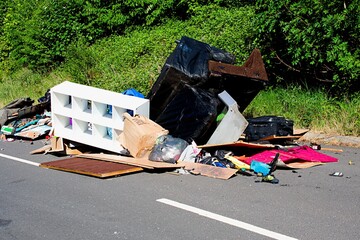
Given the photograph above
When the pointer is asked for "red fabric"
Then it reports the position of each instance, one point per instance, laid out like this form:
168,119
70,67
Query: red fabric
304,153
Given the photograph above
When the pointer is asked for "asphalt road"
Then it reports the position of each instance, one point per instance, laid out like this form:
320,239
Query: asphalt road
38,203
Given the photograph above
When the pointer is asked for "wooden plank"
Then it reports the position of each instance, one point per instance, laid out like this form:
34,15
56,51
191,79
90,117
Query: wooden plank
91,167
300,131
43,149
210,171
331,149
141,162
274,137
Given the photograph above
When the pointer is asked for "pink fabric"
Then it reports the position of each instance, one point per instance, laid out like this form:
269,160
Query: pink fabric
303,153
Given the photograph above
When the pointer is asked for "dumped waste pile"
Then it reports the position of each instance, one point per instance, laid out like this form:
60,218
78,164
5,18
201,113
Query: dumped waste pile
190,122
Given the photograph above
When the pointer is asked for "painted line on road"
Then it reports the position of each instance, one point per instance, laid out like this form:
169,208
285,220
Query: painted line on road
227,220
19,160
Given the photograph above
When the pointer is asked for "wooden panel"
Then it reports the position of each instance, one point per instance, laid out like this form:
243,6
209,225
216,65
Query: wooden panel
90,167
275,138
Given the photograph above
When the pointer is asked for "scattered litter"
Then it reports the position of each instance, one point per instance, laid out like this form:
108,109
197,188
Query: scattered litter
336,174
351,163
270,179
315,146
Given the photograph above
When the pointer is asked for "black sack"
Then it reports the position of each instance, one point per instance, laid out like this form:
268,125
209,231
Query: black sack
187,64
266,126
191,114
191,57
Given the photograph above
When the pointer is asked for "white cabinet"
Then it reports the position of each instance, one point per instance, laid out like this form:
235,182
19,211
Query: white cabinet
91,115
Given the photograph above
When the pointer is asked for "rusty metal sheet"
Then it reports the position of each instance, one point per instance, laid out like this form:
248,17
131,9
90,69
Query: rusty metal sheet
253,68
91,167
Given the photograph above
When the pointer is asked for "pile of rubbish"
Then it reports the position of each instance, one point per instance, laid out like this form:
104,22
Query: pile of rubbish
194,124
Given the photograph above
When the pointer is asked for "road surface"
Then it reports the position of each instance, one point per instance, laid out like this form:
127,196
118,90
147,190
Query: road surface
38,203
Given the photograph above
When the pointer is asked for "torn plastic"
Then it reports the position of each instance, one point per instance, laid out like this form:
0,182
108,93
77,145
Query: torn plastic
167,149
190,114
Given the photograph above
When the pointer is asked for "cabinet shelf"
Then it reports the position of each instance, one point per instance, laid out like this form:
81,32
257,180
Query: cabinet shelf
91,115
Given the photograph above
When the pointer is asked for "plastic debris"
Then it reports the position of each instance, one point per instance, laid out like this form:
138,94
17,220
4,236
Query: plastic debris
336,174
270,179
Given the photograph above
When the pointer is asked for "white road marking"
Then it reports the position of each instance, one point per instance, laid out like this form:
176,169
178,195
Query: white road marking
227,220
19,160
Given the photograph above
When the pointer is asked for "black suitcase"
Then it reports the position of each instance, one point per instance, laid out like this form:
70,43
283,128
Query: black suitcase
265,126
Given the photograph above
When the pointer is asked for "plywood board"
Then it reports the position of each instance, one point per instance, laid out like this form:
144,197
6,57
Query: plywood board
141,162
90,167
300,131
274,137
210,171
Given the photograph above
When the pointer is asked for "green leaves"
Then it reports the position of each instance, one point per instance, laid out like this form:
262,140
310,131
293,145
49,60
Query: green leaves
312,37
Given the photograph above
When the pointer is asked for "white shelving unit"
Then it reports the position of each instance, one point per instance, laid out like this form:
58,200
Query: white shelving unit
92,116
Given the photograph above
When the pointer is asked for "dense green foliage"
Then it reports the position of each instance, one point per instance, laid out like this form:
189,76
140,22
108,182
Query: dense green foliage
136,58
312,40
36,33
122,43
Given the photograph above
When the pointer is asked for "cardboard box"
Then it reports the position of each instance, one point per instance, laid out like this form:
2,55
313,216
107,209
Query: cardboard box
140,134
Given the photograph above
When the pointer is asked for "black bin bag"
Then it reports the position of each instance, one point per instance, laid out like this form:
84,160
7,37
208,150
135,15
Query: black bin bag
191,114
187,64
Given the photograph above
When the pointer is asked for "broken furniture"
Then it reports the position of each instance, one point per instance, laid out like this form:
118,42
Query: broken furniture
232,125
184,97
92,116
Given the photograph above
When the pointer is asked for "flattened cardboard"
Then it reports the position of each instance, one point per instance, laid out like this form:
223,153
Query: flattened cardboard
301,165
34,132
210,171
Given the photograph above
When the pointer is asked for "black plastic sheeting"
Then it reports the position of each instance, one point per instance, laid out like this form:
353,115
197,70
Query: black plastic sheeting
191,57
184,98
191,114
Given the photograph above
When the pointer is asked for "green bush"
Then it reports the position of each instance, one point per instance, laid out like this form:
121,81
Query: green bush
311,41
36,33
135,60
